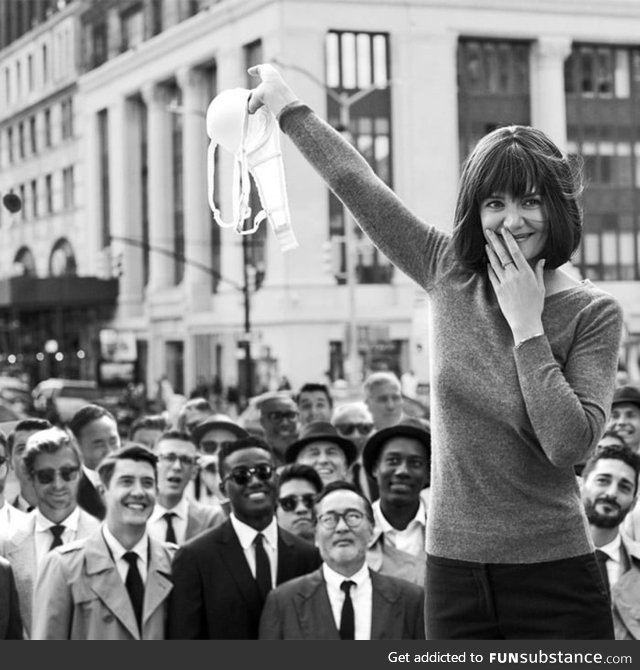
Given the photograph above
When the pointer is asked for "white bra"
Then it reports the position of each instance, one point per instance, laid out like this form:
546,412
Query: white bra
254,141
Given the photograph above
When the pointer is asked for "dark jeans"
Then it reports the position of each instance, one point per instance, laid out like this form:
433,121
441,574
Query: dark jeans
563,600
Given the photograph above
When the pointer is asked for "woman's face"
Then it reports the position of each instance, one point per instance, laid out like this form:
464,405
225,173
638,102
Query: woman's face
524,217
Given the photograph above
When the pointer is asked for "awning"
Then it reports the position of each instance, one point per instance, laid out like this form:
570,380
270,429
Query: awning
34,293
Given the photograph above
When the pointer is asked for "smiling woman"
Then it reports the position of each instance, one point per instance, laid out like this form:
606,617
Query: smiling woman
523,366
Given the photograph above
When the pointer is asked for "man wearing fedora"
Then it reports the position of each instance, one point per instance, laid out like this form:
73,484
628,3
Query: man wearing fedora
399,457
625,415
325,450
209,436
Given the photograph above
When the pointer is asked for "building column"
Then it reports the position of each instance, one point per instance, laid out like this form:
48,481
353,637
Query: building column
160,195
197,216
548,106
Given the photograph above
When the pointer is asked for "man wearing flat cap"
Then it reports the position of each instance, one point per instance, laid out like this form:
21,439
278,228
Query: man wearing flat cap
399,457
325,450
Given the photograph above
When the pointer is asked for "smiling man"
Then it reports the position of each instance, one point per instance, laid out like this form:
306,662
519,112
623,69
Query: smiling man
344,599
175,517
625,415
114,584
280,420
609,493
399,458
221,577
52,462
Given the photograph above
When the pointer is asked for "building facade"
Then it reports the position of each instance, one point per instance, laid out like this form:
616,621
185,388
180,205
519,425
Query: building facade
414,85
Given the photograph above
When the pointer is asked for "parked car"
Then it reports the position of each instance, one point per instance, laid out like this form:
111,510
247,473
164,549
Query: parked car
59,399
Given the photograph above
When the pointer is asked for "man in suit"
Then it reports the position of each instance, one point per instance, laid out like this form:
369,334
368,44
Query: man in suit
344,599
10,621
96,431
175,517
399,458
114,584
52,462
25,501
609,493
221,578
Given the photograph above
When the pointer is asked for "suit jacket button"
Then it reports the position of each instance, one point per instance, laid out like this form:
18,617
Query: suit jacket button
107,618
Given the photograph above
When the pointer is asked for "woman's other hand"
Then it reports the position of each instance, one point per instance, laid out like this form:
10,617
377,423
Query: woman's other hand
272,91
519,287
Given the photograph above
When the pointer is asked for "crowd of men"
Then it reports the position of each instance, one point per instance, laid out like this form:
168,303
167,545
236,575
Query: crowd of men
311,525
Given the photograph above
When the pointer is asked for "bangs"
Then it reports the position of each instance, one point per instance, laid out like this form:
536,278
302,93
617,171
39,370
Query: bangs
511,170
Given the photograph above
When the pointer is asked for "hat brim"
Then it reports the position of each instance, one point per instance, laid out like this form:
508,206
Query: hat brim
348,447
377,441
203,428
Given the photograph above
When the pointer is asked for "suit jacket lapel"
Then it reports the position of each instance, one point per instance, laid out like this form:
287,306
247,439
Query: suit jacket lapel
194,521
385,619
286,565
21,553
232,555
105,581
313,608
158,584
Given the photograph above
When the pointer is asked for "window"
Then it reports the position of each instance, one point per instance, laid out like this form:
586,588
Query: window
21,153
7,85
47,127
18,80
156,17
23,211
45,64
32,134
178,192
603,127
68,195
356,62
48,191
105,191
66,109
30,79
34,198
10,145
132,26
99,45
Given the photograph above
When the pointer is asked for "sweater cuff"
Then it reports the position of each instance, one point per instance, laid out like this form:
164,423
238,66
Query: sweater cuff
287,110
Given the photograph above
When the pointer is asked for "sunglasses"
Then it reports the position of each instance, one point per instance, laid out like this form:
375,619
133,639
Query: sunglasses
290,503
211,446
242,476
351,428
185,460
48,475
282,416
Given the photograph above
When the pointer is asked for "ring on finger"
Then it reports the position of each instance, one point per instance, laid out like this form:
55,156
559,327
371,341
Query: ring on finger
508,263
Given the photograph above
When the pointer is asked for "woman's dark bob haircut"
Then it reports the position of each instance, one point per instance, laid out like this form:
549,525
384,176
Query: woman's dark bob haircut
519,160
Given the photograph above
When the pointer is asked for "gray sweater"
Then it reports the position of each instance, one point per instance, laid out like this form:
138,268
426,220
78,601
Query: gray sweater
507,424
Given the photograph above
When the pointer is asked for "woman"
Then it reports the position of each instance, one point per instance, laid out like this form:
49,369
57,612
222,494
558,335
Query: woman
523,366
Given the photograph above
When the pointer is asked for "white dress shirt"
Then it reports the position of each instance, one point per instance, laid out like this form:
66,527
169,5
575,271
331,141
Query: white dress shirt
10,517
157,525
247,535
614,565
44,537
118,551
361,597
412,539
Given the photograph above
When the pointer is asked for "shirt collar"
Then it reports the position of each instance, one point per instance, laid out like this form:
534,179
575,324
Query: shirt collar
381,525
43,524
181,510
91,475
335,579
141,548
612,549
246,534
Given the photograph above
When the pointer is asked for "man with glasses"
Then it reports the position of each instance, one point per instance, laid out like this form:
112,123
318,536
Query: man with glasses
354,421
221,578
115,583
175,517
298,486
344,599
52,461
279,418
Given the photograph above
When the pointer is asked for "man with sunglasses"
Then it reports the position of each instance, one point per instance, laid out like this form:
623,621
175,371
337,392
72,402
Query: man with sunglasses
344,599
221,577
175,517
52,461
298,486
354,421
280,420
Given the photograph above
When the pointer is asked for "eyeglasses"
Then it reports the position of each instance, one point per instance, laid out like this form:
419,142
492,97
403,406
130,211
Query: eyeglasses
242,476
277,417
48,475
350,428
352,517
211,446
290,503
171,458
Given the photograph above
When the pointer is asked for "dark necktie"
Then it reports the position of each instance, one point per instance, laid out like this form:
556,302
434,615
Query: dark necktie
263,567
57,532
134,585
602,558
347,618
171,533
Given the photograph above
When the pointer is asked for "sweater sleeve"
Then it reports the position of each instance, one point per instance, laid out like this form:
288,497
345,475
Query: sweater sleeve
568,406
408,242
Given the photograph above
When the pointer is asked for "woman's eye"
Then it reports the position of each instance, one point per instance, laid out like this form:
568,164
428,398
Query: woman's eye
533,202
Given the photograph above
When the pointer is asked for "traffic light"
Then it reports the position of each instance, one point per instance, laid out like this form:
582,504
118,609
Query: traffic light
332,255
